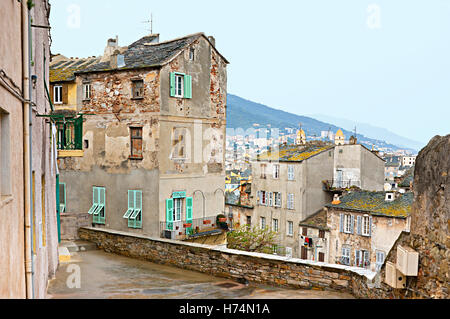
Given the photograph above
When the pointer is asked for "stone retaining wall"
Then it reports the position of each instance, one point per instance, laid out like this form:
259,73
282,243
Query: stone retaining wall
233,264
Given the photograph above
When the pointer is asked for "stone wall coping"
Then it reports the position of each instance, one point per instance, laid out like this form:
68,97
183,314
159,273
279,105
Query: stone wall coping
332,267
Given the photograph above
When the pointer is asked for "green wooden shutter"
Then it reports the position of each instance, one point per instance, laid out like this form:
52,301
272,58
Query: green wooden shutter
188,87
172,84
94,201
169,214
102,215
189,219
79,133
130,205
138,206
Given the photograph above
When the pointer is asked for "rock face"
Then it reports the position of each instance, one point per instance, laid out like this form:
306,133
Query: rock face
431,208
430,217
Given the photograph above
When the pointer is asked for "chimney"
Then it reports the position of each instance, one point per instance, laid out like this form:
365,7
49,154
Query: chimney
113,59
112,45
212,40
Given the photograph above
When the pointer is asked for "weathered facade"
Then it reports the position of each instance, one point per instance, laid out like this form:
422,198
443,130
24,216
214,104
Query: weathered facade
28,231
314,237
305,177
365,225
153,137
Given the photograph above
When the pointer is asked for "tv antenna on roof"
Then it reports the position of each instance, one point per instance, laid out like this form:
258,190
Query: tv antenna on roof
150,22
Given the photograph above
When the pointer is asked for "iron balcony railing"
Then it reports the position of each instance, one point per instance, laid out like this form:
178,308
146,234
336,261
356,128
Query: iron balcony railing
182,229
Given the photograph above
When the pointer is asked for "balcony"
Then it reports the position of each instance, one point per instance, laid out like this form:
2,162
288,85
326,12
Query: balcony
183,230
340,185
70,137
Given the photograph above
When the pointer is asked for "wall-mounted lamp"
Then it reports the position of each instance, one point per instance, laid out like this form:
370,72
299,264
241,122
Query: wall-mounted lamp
34,80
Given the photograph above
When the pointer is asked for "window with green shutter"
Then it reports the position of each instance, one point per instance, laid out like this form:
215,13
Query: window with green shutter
134,211
189,213
99,200
180,85
169,214
135,219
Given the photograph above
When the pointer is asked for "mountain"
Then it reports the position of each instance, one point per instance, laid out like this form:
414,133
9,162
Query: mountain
242,113
371,131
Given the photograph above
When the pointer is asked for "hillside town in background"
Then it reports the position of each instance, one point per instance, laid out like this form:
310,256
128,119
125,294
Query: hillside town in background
130,150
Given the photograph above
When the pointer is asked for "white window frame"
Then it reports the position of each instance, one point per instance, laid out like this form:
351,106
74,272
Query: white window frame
291,170
347,223
290,201
57,99
276,171
346,254
379,259
179,85
275,227
270,199
290,228
86,91
277,199
177,209
262,222
365,225
263,199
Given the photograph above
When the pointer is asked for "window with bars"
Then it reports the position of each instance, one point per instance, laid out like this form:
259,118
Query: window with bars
136,143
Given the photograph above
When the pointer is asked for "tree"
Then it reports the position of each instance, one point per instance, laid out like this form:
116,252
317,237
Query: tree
252,239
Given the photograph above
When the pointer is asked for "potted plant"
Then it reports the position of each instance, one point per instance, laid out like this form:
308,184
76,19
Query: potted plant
221,218
206,222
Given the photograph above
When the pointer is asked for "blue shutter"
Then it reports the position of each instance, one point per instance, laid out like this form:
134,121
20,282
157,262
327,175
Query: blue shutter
352,224
341,223
358,225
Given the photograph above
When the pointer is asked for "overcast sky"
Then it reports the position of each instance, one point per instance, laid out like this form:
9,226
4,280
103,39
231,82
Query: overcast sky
383,62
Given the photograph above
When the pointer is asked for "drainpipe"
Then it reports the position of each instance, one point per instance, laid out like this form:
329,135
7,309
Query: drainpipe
27,152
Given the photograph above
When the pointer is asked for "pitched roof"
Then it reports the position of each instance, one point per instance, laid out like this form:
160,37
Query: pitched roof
63,69
294,153
317,220
375,203
142,53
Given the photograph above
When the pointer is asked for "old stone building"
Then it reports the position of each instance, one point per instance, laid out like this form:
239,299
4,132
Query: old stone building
314,237
294,182
364,226
28,228
153,137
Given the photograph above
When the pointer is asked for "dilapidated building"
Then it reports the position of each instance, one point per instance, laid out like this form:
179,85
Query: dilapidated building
153,137
365,225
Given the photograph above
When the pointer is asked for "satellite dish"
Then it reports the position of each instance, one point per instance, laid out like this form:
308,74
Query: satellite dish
387,187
